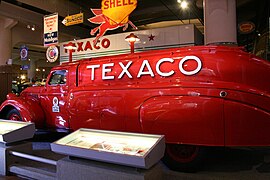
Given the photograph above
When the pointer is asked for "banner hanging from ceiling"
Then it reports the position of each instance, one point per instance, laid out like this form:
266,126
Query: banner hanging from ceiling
112,15
51,29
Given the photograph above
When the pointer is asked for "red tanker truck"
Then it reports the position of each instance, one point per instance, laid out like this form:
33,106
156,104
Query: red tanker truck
198,97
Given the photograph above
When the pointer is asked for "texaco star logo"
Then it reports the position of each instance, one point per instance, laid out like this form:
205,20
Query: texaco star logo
151,37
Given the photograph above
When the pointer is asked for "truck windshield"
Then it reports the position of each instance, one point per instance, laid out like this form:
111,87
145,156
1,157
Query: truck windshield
58,77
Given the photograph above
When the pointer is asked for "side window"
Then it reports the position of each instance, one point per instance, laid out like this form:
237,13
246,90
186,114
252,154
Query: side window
58,77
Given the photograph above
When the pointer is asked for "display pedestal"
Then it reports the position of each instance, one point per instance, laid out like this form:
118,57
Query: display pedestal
80,169
6,160
3,159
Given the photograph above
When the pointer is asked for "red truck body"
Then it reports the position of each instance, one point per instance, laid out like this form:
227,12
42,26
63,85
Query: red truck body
199,96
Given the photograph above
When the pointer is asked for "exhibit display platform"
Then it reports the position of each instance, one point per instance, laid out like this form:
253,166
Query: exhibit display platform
224,164
33,159
14,131
84,154
131,149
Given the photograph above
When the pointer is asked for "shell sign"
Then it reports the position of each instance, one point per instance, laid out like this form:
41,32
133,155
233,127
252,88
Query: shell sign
112,15
118,10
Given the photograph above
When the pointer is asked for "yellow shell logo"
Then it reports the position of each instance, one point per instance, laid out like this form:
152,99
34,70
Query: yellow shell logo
118,10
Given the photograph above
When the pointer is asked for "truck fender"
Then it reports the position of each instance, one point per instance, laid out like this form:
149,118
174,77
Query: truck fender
29,109
184,119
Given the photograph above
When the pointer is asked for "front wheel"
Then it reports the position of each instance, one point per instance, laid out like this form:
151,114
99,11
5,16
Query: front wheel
185,158
14,115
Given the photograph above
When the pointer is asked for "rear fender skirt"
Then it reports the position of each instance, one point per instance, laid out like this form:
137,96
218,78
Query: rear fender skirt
185,119
246,125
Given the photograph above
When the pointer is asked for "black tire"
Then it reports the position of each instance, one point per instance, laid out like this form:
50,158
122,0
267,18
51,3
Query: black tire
184,158
14,114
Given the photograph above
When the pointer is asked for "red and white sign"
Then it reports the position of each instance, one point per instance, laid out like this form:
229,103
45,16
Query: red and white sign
160,38
50,29
246,27
52,53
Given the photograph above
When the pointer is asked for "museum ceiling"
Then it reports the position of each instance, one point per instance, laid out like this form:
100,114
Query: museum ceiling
148,14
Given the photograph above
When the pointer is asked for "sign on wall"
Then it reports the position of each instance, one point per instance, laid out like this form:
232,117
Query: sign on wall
118,11
52,53
246,27
160,38
112,15
51,29
25,67
24,52
73,19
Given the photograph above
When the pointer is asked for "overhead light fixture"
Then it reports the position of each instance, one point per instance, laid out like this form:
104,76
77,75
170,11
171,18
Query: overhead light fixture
33,28
183,4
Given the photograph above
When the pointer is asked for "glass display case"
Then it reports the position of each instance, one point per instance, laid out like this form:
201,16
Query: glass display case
132,149
13,131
